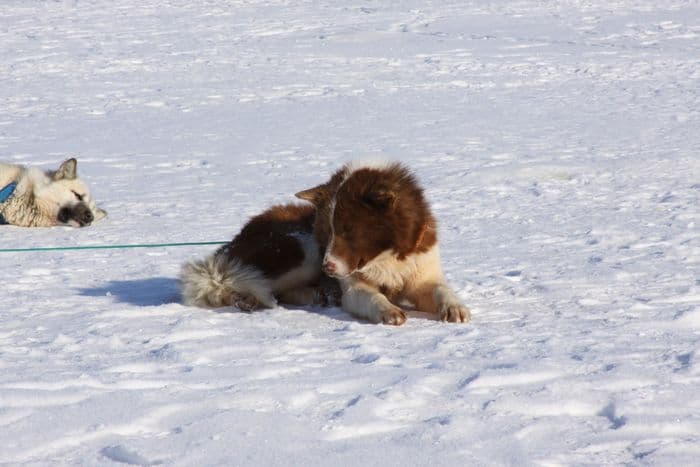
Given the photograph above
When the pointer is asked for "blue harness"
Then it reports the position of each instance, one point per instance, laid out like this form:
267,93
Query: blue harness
5,194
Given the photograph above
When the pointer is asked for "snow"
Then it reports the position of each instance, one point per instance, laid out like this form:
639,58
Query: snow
558,143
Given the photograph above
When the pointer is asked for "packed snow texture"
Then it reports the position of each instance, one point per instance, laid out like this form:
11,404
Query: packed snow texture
557,141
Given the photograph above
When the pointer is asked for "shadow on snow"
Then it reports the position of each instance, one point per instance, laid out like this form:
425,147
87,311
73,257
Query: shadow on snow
156,291
140,292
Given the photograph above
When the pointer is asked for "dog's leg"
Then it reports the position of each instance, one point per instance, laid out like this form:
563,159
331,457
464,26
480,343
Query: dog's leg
302,296
440,299
449,307
365,301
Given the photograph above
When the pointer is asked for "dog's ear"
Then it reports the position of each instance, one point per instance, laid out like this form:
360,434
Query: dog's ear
313,195
99,214
381,199
67,171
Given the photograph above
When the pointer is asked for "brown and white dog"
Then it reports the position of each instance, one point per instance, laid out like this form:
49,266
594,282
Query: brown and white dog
274,257
369,227
381,244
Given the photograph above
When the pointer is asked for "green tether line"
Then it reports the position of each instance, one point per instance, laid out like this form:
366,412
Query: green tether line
106,247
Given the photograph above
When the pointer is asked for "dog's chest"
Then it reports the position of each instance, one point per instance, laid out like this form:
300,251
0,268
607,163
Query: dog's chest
389,274
396,277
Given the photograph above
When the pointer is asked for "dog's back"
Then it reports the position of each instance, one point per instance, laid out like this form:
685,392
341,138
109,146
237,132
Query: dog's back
9,173
275,256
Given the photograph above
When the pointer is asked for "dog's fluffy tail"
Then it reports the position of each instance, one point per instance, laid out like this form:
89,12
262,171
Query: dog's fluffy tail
217,281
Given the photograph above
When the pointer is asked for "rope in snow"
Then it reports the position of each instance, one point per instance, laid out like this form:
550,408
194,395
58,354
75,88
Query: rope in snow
106,247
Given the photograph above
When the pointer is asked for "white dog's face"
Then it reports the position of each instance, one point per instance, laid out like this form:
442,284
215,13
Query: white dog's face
67,197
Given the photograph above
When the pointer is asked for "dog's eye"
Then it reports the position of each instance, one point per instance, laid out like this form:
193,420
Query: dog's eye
78,195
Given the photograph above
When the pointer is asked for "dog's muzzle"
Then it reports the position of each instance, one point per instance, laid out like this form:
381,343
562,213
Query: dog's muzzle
79,213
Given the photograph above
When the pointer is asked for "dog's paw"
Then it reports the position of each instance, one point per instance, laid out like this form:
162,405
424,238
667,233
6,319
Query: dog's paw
394,316
245,302
455,313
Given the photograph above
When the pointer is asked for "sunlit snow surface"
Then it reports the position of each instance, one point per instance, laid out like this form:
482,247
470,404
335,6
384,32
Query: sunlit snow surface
559,145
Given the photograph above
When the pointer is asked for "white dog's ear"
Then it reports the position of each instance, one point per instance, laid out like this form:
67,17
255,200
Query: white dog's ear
99,214
67,171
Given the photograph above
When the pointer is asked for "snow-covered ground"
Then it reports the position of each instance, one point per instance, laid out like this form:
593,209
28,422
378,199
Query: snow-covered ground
559,143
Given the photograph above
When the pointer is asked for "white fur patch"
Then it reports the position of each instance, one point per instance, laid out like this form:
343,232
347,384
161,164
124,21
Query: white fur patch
8,173
387,270
367,163
363,301
216,282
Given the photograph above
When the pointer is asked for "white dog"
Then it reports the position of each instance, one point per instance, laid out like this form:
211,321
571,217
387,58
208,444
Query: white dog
32,197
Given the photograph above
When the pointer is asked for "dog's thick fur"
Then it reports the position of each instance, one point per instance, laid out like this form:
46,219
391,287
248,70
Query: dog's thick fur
380,242
370,227
274,257
47,198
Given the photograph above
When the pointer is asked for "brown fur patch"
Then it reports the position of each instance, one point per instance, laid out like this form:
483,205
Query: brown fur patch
379,209
269,240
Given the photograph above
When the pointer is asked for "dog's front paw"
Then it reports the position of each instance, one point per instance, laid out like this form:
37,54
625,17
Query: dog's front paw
455,313
394,316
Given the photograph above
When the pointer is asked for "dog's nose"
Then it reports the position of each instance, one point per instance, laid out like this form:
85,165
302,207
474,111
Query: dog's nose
82,214
329,267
